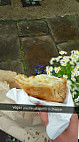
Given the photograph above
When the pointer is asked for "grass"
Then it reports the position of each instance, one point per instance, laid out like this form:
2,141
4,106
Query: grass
13,141
23,60
73,16
9,60
73,40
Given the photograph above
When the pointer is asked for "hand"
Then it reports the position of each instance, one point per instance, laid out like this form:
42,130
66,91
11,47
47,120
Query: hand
70,134
44,117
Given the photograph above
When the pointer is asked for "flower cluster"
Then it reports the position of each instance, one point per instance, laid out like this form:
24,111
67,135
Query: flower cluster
64,66
67,67
11,139
39,69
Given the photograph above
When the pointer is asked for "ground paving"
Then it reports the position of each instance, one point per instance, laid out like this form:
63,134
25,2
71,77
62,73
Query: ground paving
25,42
48,8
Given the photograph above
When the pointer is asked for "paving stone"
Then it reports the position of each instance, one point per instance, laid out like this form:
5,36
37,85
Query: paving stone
38,50
64,28
5,2
16,66
68,46
9,47
7,27
33,27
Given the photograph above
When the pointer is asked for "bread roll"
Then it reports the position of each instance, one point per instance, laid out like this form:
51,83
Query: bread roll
44,87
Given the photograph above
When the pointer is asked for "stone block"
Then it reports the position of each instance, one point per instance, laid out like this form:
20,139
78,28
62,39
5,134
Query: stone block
68,46
64,28
38,50
8,27
16,66
33,27
9,47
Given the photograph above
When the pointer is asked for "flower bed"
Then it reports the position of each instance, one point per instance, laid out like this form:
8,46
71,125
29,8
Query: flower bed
67,67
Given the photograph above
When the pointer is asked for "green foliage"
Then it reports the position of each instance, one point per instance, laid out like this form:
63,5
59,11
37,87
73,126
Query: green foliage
23,59
68,67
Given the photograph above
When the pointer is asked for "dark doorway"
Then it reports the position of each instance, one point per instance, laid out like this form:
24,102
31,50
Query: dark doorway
27,3
5,2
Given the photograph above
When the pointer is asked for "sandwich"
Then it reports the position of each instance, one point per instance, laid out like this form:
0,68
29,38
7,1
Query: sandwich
43,87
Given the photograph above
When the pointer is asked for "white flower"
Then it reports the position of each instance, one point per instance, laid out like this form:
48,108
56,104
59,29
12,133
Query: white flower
71,63
51,61
63,63
62,52
77,73
76,88
77,66
73,79
49,68
74,59
69,82
76,100
76,52
73,74
76,56
73,89
75,69
65,76
58,58
49,73
57,69
74,93
13,139
66,58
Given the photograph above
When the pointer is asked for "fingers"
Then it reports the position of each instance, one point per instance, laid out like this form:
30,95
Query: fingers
74,122
43,116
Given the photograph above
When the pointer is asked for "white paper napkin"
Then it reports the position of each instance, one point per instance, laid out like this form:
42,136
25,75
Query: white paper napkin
58,122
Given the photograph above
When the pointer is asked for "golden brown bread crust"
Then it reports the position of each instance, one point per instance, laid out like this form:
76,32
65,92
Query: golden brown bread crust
43,87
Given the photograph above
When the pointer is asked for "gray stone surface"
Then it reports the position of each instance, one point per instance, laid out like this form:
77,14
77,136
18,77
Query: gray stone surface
33,27
9,47
48,8
38,50
16,66
68,46
8,27
64,28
